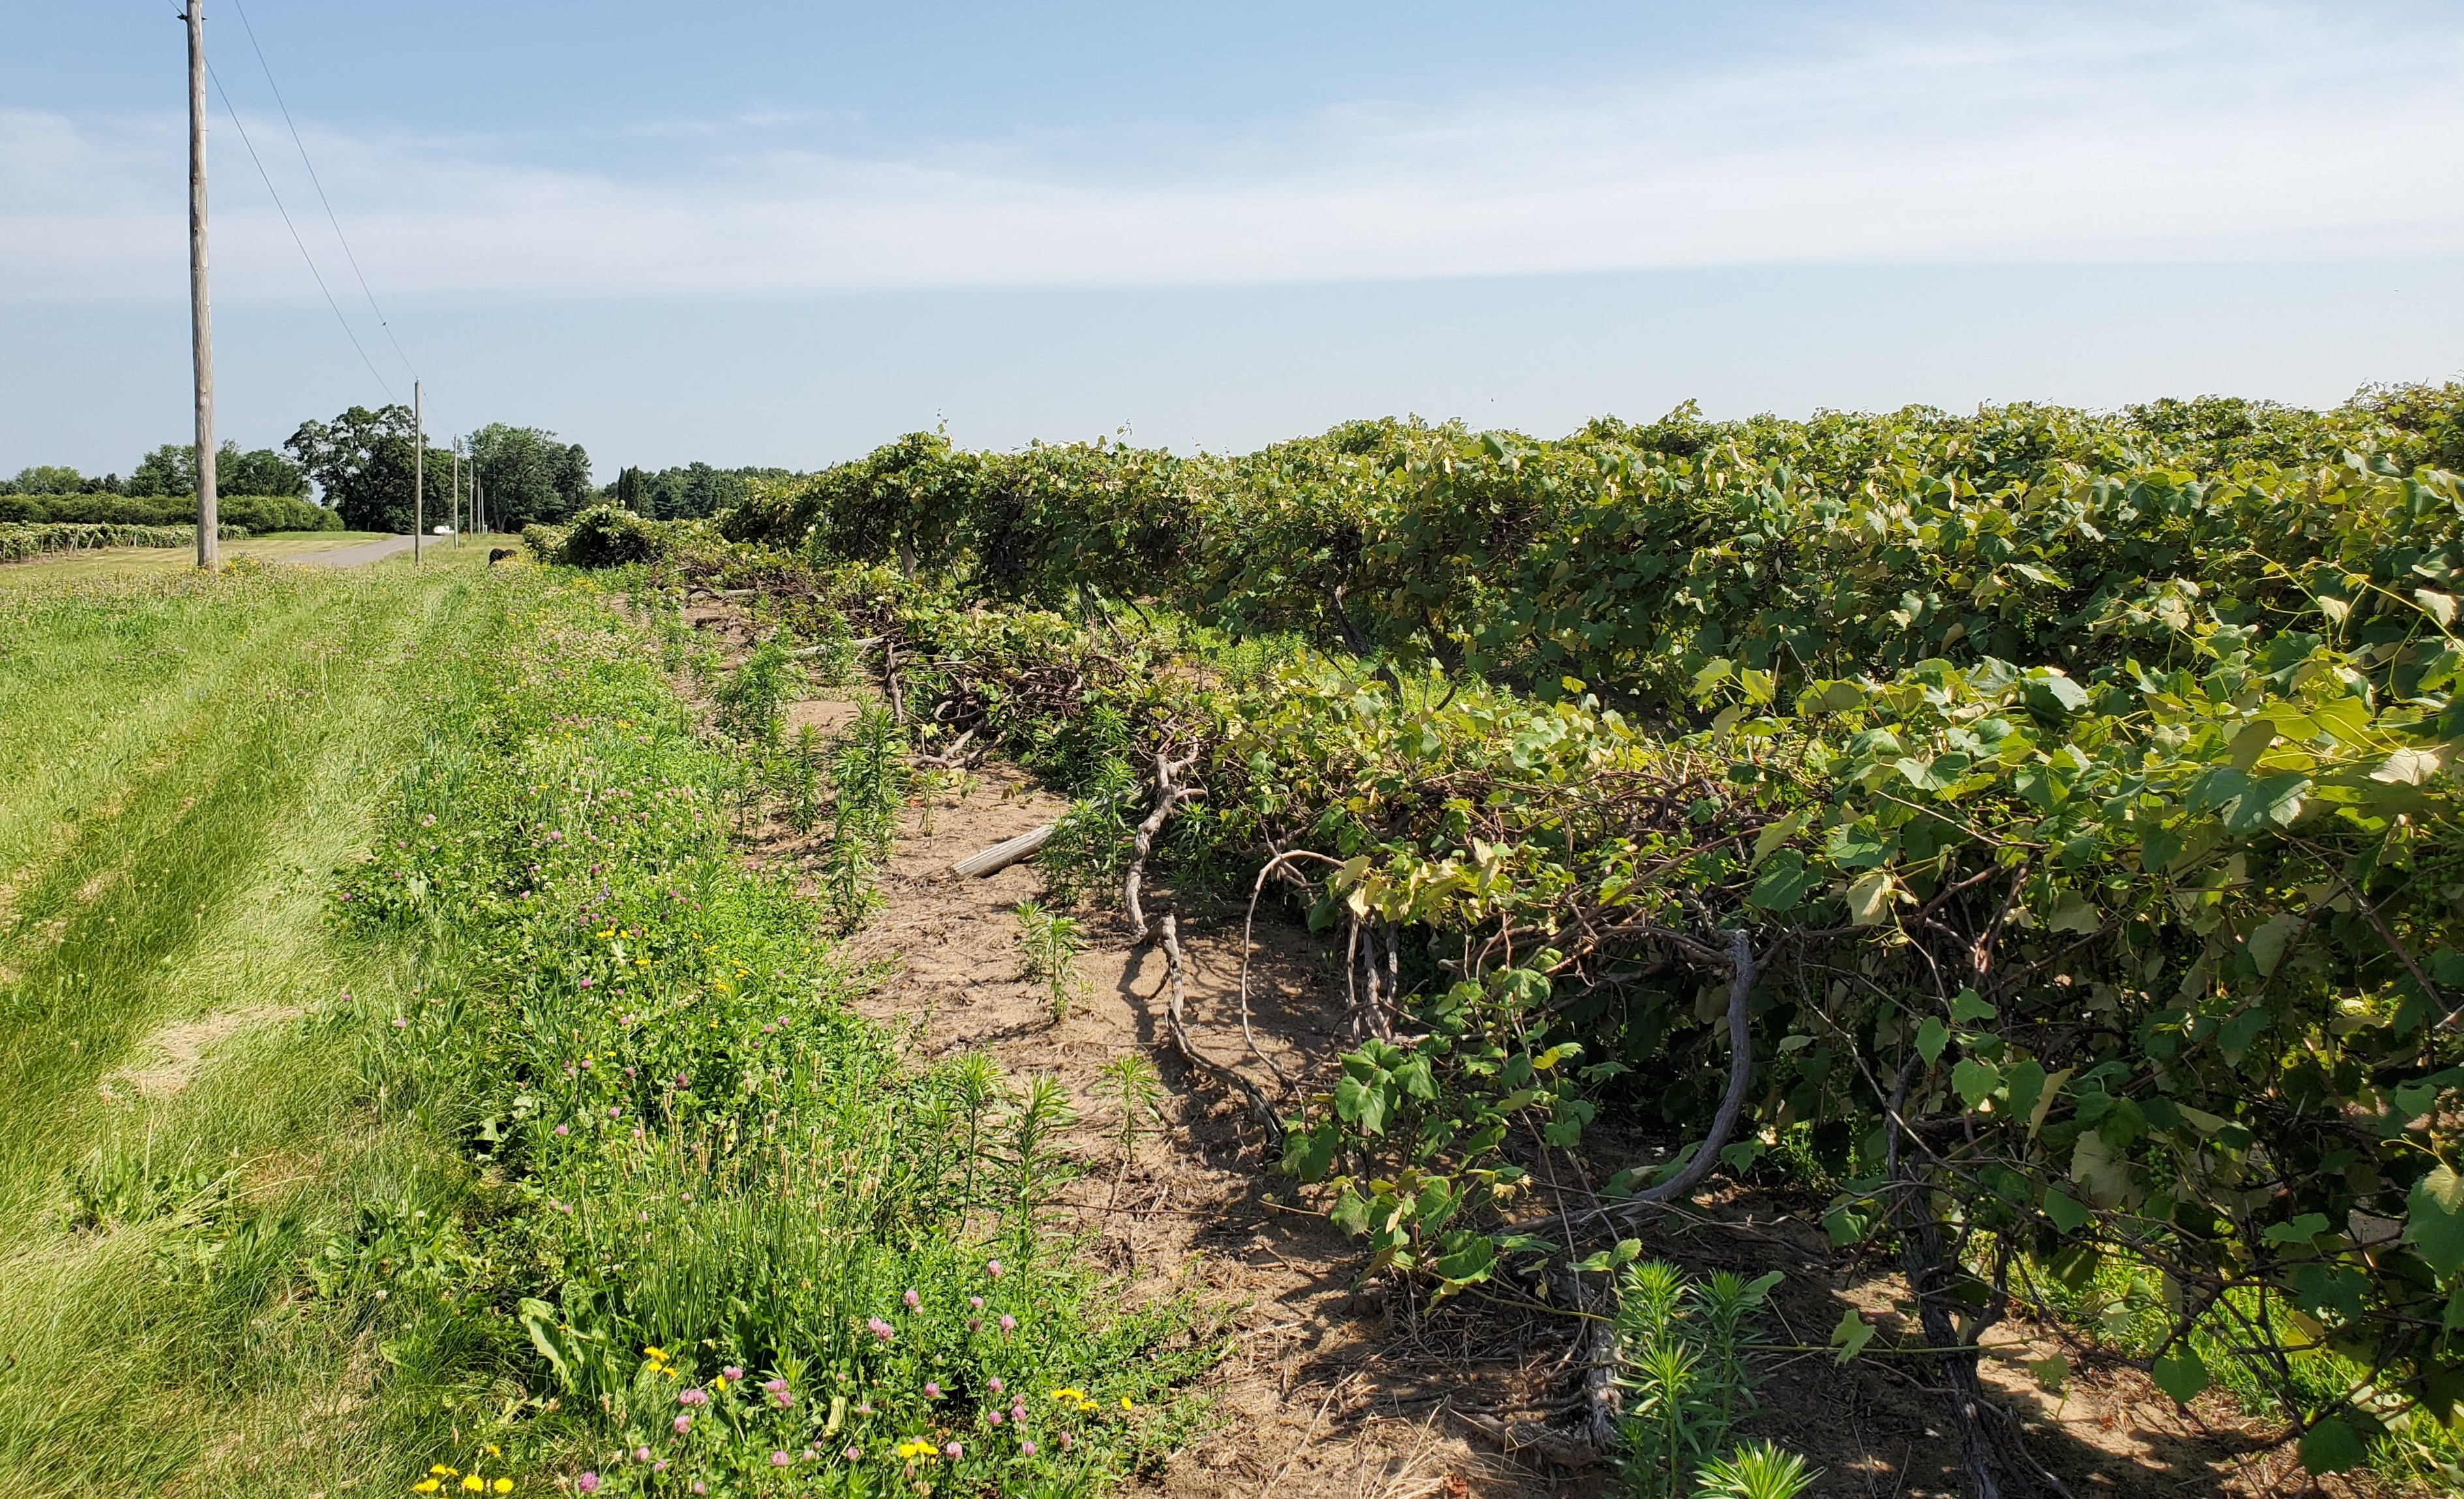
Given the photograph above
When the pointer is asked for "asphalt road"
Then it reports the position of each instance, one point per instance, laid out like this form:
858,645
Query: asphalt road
366,552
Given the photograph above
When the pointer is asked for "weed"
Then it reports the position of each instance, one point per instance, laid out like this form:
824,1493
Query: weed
1136,1091
752,700
1048,946
1757,1470
1681,1344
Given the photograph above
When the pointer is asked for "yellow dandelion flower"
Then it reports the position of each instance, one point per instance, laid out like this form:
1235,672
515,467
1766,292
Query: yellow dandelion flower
916,1447
653,1351
474,1485
440,1470
504,1485
426,1485
1070,1395
1126,1406
494,1450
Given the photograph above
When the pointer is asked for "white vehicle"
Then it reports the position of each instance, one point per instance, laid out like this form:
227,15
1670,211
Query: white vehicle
442,530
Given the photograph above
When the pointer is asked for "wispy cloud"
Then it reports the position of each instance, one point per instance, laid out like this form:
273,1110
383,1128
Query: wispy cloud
2202,132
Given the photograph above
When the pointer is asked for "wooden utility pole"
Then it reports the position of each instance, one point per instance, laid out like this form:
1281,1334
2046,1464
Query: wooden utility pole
418,474
457,488
201,330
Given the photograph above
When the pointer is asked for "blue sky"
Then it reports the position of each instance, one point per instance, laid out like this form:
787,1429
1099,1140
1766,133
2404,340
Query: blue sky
784,232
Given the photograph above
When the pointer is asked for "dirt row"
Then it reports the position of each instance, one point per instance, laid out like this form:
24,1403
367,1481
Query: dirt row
1337,1388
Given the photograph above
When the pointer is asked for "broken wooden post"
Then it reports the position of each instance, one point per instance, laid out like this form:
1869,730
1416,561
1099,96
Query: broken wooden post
1002,855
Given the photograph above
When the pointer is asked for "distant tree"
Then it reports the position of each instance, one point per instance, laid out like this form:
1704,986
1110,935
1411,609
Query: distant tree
364,460
260,470
51,479
529,476
172,471
697,490
169,469
627,490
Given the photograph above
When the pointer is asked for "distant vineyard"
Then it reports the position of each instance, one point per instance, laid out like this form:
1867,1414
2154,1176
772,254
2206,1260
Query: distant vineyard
20,542
2060,811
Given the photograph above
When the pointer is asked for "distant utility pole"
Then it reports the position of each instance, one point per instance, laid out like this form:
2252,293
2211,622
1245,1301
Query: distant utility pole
201,330
457,488
418,472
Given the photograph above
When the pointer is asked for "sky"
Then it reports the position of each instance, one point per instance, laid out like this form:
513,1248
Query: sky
746,232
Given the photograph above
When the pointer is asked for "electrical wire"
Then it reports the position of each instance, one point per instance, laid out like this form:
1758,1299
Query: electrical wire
268,179
319,185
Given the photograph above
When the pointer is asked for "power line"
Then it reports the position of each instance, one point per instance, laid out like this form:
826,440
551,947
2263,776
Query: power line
319,185
268,179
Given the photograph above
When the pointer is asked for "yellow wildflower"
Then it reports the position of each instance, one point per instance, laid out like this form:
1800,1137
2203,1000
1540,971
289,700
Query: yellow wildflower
1126,1406
474,1485
504,1485
653,1351
426,1485
916,1447
1079,1396
440,1470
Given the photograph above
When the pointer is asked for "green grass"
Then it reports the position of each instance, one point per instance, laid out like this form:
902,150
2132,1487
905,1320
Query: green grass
421,874
189,757
278,546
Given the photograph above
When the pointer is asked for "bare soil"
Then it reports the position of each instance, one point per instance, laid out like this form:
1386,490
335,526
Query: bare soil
1339,1389
172,1053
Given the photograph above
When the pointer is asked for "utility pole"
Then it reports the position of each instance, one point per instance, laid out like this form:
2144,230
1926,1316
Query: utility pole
201,331
418,469
457,488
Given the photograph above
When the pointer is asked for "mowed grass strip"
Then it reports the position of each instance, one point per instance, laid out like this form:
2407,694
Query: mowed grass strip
200,755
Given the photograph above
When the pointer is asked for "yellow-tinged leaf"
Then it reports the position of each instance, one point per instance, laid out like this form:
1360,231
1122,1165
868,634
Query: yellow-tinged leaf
2095,1166
1776,834
2407,767
2440,606
1869,898
2045,1099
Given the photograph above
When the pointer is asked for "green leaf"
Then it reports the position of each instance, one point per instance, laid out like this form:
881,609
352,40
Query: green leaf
1967,1007
2440,606
2180,1374
2271,800
2266,939
1465,1257
2433,1219
539,1319
2068,1213
2074,913
2027,1080
1351,1213
2065,693
1785,884
1975,1081
1851,1336
1360,1103
2333,1446
2300,1230
1931,1037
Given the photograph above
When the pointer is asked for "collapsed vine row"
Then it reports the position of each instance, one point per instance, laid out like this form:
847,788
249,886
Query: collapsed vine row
2098,896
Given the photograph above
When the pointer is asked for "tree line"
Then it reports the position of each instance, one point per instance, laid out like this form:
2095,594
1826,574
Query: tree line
360,472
